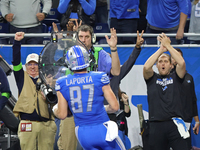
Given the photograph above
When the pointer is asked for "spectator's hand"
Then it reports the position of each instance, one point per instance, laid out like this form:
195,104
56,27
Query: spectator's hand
196,128
75,27
55,29
165,41
140,40
9,17
179,34
163,48
70,26
112,42
40,16
19,36
124,98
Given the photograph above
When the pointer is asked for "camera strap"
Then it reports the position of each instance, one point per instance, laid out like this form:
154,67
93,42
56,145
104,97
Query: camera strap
49,110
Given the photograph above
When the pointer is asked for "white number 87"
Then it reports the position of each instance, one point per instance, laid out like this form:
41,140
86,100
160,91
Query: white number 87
78,99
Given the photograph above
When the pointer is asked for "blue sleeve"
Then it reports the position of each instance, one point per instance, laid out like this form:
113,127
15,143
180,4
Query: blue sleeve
104,62
183,6
63,5
88,7
104,79
4,89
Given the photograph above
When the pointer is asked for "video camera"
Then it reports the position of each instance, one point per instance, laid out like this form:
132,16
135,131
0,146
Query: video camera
49,94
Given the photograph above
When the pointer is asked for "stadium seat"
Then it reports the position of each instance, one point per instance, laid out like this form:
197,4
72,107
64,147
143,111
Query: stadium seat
101,28
49,21
4,28
53,16
45,30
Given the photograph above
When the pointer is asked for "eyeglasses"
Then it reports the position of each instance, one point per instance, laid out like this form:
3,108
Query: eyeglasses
32,64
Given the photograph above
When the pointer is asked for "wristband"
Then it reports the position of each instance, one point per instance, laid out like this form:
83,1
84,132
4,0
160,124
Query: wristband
197,123
126,104
113,50
45,14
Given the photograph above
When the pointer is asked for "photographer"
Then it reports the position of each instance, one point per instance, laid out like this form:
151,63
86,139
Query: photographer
37,128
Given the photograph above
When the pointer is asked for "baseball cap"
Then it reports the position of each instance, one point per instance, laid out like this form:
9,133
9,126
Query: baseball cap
32,57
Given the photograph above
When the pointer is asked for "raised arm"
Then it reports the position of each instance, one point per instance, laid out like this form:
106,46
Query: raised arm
17,50
126,67
88,6
63,5
113,104
112,42
180,68
147,69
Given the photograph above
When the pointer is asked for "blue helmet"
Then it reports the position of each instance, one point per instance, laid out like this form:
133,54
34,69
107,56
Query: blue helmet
77,58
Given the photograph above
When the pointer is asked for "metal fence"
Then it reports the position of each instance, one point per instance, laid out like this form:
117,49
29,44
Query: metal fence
118,35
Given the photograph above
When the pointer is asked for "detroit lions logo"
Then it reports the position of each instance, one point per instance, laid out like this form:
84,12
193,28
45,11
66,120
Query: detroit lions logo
188,81
164,82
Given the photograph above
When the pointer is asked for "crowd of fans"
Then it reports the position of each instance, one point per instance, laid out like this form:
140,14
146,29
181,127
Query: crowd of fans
125,16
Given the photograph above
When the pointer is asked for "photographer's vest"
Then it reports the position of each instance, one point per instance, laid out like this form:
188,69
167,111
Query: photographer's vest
27,101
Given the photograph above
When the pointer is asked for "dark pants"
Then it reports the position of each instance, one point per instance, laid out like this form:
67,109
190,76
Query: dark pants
125,26
142,23
101,14
28,40
188,140
57,121
163,135
153,40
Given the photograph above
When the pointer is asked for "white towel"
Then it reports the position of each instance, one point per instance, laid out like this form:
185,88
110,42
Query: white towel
181,127
188,125
112,130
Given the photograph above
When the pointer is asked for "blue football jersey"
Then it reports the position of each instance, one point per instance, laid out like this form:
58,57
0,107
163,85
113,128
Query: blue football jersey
84,95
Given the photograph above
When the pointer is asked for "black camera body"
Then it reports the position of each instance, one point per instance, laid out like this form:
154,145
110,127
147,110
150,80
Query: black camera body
49,94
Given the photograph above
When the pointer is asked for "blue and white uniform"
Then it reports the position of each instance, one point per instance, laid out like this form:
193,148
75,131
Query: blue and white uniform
84,95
